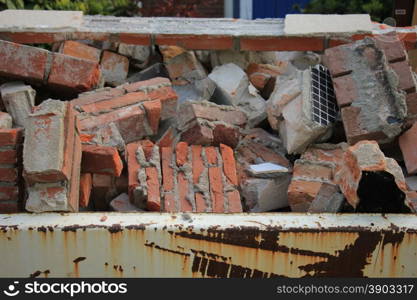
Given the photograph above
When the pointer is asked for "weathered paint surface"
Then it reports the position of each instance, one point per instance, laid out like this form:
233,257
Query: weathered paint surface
207,245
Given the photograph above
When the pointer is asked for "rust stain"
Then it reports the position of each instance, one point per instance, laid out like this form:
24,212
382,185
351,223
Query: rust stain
78,259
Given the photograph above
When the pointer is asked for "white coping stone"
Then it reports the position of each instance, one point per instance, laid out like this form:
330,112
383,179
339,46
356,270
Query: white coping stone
306,24
267,168
40,19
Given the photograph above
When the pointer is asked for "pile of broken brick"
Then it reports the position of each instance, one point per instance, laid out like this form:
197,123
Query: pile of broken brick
148,128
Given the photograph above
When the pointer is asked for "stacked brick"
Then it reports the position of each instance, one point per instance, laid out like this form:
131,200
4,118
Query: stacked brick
52,158
131,111
316,168
206,123
11,189
183,178
374,87
63,72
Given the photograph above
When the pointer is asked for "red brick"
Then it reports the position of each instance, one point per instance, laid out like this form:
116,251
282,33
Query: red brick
8,157
198,163
167,138
96,96
153,114
8,174
20,61
9,207
335,60
74,193
352,124
86,184
345,90
80,50
409,39
302,193
200,203
135,38
169,203
114,67
114,103
198,134
129,120
408,145
181,150
223,134
9,193
411,100
11,137
229,164
69,140
282,44
313,171
195,42
266,154
102,160
133,167
403,70
235,205
392,47
216,189
73,74
185,205
154,83
211,155
260,74
147,147
168,99
154,200
167,171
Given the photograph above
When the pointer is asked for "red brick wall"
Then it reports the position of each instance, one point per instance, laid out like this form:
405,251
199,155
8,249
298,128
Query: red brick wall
183,8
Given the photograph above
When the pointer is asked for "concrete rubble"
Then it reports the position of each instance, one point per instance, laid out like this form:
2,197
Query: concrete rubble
112,126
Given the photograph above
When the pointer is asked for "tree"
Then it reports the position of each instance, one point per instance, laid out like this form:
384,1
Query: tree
378,9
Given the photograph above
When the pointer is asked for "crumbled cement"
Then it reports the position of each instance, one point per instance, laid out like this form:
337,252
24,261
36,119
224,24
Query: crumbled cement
6,121
267,170
41,199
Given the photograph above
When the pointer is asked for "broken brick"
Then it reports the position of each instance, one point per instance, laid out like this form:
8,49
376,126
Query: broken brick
80,50
102,160
86,184
114,67
73,74
408,147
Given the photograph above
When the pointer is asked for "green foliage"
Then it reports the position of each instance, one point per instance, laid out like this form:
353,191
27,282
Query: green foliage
378,9
90,7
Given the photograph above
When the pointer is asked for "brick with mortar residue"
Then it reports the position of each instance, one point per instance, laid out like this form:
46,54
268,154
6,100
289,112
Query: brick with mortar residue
168,179
233,199
6,121
101,159
229,164
167,139
114,103
301,193
8,156
74,74
211,155
97,95
9,207
8,174
181,150
147,85
11,137
216,189
406,78
74,192
153,202
408,141
129,120
23,62
153,114
168,99
114,67
86,183
9,193
133,167
80,50
50,128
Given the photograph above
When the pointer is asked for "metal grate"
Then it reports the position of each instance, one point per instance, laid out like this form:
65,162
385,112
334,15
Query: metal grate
324,107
